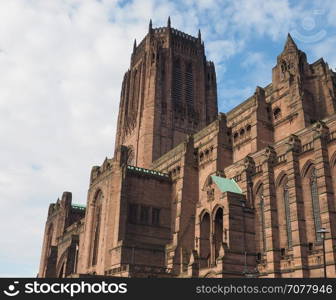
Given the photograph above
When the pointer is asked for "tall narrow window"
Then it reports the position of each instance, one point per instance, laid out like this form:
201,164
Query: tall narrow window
133,213
177,82
155,216
96,226
189,86
144,215
316,205
261,220
218,234
136,92
288,217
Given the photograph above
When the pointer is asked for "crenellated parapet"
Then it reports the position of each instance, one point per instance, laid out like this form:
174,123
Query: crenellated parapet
97,173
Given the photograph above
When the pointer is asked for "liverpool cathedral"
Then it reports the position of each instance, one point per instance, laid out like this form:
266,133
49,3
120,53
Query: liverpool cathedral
191,192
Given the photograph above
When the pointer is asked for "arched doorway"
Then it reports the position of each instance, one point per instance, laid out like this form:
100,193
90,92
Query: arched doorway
205,240
218,232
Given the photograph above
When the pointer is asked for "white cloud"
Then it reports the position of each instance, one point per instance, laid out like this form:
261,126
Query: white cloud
61,69
272,17
220,50
259,69
326,49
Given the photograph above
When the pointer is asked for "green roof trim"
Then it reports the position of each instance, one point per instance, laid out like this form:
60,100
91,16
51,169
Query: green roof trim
147,171
78,206
226,184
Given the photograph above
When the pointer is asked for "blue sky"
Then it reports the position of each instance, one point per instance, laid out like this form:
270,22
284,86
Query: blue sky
62,63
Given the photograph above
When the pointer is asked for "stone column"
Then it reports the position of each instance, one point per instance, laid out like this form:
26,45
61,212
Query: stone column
325,192
221,257
298,226
87,235
270,213
193,266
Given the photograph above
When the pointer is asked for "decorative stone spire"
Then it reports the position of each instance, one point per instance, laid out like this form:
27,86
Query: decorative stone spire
199,35
150,27
168,22
290,44
134,45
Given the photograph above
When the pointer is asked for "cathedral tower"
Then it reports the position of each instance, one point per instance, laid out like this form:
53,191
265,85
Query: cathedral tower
302,93
168,92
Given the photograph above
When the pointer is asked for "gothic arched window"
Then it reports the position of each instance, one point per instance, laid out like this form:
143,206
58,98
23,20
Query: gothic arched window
96,226
136,92
287,214
315,203
277,113
218,230
205,240
248,129
130,155
261,235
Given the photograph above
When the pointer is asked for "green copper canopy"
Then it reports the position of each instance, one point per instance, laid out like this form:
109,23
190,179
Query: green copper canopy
226,185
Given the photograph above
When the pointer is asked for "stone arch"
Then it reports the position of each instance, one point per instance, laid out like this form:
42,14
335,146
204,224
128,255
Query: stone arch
96,226
280,178
254,190
257,186
306,168
214,210
201,215
283,208
61,265
218,215
210,274
96,196
130,155
333,160
311,201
